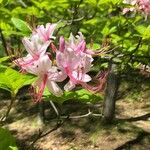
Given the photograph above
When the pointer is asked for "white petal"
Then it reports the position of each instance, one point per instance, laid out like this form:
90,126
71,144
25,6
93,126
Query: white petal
57,76
44,64
69,86
42,48
50,29
86,78
54,88
28,45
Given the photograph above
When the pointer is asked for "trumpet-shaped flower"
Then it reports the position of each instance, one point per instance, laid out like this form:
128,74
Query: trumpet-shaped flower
73,60
47,75
138,5
144,5
78,44
34,46
35,49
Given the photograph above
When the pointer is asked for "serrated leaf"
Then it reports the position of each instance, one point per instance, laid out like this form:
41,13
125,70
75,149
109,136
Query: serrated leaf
21,25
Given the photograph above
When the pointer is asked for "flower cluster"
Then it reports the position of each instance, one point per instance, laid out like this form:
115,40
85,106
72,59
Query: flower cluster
138,5
72,60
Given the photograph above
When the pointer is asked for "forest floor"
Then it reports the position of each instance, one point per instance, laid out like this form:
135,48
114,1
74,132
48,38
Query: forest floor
129,131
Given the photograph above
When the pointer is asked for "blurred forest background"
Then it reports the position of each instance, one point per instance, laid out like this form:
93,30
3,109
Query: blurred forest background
121,114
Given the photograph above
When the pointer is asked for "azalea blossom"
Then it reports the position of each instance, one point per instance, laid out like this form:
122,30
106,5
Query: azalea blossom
35,49
73,60
78,44
144,5
36,45
138,5
46,33
47,75
38,62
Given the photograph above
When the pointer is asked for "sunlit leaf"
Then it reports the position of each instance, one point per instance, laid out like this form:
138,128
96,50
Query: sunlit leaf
81,95
11,80
21,25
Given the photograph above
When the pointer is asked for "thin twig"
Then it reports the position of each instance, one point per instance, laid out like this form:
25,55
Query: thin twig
55,109
82,116
8,110
22,3
4,42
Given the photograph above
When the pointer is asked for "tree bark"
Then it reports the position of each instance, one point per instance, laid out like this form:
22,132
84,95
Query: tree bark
110,94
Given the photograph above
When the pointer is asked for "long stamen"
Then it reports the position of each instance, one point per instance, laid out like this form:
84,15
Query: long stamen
101,83
41,88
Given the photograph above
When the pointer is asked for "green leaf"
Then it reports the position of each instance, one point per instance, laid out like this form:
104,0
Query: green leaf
21,25
144,31
13,147
11,80
3,59
7,141
81,95
109,1
4,2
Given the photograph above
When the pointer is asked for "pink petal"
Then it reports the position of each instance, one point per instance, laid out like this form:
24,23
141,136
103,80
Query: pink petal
62,44
86,78
81,46
50,29
29,46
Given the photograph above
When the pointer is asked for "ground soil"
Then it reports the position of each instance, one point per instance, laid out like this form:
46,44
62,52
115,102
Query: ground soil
129,131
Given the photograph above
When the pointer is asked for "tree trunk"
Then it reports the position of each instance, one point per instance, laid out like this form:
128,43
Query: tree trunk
110,94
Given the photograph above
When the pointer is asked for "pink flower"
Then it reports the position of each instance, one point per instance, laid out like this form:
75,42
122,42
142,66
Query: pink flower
73,60
34,46
35,49
132,8
47,75
125,10
138,5
46,33
78,44
144,5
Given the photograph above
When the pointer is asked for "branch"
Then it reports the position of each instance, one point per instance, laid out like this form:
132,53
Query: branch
82,116
55,109
4,118
4,42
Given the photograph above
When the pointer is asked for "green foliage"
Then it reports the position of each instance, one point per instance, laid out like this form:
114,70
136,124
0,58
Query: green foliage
7,141
21,25
81,95
102,22
3,59
144,31
13,147
12,81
